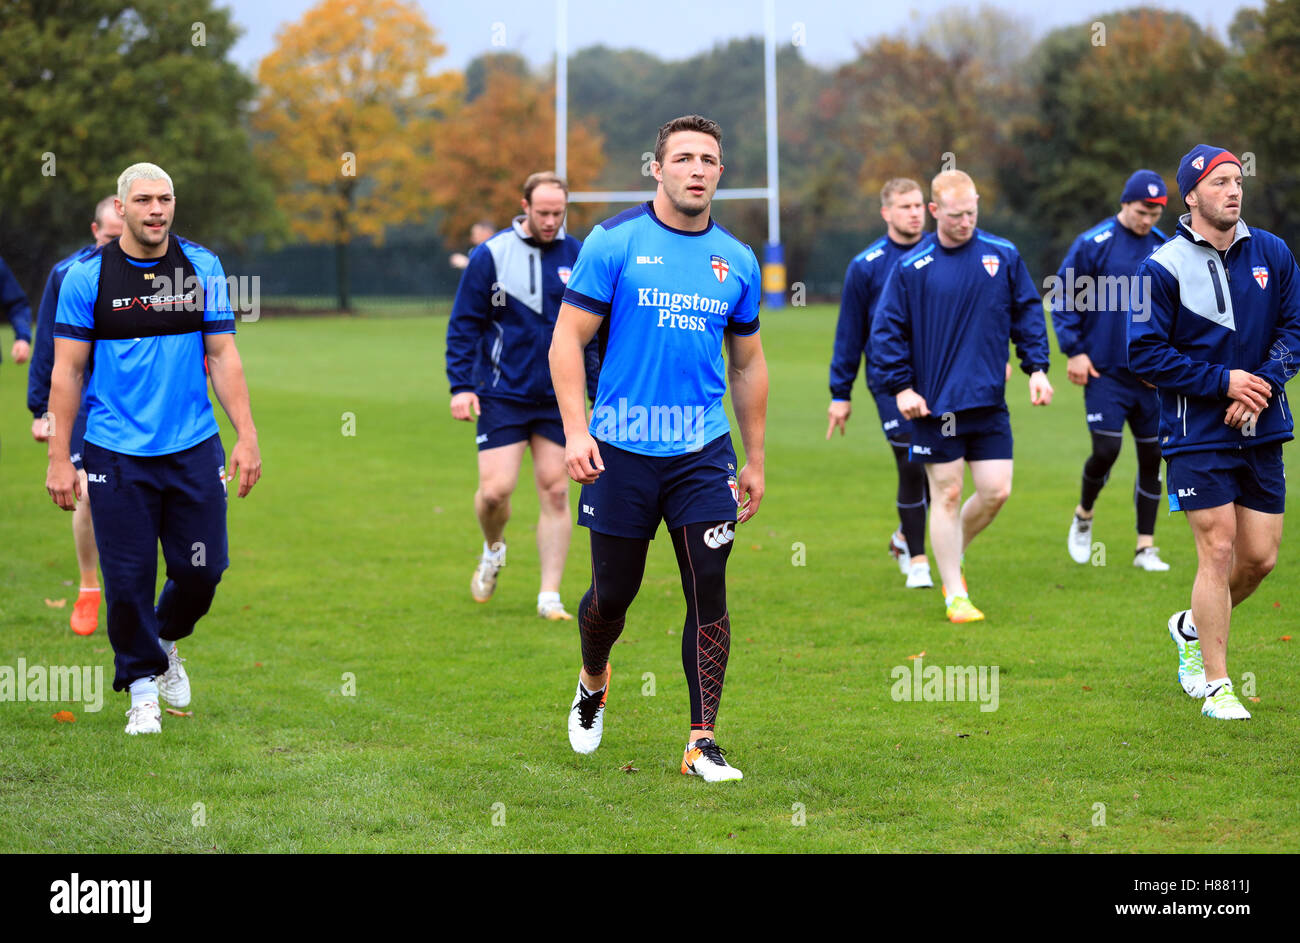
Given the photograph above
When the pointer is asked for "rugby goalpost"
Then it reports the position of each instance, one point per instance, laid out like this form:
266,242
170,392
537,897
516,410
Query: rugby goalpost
773,253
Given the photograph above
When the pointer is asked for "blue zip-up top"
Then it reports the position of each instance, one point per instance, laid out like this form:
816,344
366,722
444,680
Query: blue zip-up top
1208,313
499,333
14,304
944,319
1090,306
863,282
42,366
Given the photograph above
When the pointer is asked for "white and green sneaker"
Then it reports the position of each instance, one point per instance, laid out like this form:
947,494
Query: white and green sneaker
1191,669
1222,704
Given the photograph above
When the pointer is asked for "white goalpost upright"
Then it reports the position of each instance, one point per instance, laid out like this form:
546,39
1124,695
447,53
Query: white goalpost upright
773,253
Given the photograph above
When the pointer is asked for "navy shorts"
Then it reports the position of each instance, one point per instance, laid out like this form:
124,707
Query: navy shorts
1255,478
77,441
977,435
505,422
636,491
1112,400
897,429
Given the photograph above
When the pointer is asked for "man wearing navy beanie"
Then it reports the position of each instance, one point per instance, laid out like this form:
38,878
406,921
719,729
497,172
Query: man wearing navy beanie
1219,333
1090,315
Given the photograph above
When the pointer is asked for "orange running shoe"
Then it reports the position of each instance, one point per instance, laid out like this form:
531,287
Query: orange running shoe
85,614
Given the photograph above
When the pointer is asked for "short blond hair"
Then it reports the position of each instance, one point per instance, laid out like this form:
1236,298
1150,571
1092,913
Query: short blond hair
897,187
949,184
142,171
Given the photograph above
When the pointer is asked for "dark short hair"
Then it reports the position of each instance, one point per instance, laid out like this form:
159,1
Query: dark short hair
543,178
687,123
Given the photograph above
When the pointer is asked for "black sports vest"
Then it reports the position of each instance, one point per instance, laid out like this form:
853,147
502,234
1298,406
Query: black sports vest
130,304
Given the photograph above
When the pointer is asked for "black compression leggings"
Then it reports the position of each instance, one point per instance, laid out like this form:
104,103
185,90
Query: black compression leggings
618,564
1146,492
913,499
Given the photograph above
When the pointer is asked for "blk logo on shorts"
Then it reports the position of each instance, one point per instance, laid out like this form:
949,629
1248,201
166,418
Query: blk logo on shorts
719,536
1094,417
921,450
1186,492
97,479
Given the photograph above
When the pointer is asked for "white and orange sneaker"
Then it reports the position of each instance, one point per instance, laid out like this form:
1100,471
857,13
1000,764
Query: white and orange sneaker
704,758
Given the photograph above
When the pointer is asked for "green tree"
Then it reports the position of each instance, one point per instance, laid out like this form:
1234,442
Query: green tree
92,86
1137,94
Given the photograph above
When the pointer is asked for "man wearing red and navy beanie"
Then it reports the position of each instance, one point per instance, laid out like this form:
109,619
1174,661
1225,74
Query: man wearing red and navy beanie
1216,328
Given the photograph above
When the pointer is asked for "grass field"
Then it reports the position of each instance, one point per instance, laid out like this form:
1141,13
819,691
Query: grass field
352,557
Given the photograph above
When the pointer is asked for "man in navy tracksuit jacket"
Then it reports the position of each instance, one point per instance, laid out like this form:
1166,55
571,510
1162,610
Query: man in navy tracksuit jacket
1220,337
903,208
14,304
105,227
1090,313
939,344
498,342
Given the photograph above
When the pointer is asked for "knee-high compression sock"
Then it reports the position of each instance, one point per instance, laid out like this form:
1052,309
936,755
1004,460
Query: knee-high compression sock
1146,494
1105,449
912,500
702,551
617,565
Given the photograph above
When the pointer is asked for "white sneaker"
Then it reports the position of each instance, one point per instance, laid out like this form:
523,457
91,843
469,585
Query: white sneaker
918,576
1191,667
174,686
484,581
144,717
704,758
1222,704
1148,558
587,717
553,610
898,550
1079,543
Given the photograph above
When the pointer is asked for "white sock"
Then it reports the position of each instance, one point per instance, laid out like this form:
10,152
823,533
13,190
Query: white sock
495,554
89,589
1212,687
543,598
1188,630
166,646
144,689
953,597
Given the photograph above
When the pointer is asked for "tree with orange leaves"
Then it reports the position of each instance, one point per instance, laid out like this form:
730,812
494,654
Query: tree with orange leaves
346,117
483,153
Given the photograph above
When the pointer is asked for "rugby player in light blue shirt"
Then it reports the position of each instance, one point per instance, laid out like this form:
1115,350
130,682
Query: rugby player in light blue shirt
666,287
154,308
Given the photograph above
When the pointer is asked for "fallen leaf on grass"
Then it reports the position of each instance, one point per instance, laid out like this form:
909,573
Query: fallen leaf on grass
916,656
257,664
1285,638
56,603
65,717
99,651
1254,700
1086,688
67,582
175,713
629,768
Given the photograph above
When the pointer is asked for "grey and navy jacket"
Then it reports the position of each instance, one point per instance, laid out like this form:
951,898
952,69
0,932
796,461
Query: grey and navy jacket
1090,305
13,302
1206,313
499,333
943,322
863,282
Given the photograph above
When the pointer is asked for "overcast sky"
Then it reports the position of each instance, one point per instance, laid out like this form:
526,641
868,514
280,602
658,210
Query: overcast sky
675,29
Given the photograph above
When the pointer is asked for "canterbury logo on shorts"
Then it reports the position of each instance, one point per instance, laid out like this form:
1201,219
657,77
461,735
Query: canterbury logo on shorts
719,536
